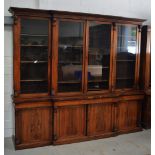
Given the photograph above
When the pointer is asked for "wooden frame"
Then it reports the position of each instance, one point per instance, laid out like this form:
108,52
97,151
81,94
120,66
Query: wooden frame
145,73
137,61
77,108
83,56
17,49
86,66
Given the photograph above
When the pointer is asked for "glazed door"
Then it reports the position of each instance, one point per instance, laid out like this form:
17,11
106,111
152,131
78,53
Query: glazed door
99,55
33,56
126,57
100,119
69,123
70,56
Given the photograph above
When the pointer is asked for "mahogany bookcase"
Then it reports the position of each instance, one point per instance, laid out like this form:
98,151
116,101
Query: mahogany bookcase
76,76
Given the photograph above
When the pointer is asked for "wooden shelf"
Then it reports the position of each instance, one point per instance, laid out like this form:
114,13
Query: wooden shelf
93,89
93,66
127,36
69,62
35,62
105,67
35,80
70,46
95,53
69,82
98,81
127,78
22,45
35,35
126,60
124,46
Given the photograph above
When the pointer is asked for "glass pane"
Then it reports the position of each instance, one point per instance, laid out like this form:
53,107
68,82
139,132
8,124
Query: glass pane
70,56
34,86
99,56
34,56
126,56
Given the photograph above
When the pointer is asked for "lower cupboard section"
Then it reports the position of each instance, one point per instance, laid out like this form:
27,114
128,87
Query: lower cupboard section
33,127
70,122
100,119
73,123
129,115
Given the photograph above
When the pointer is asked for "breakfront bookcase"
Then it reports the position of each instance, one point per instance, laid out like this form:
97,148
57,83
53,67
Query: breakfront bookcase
145,75
76,76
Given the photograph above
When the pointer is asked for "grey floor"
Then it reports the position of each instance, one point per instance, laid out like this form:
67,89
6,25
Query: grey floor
129,144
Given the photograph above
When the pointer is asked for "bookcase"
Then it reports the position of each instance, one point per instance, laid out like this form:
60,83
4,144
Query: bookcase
76,76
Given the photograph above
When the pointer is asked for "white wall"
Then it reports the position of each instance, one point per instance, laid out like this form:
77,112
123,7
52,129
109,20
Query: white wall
8,108
126,8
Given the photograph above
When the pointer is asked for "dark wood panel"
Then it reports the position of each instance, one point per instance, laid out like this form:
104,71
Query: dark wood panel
33,126
100,119
122,115
146,112
133,114
69,123
30,105
129,115
145,75
145,57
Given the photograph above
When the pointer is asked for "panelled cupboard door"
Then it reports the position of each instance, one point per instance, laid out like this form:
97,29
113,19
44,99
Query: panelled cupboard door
100,119
33,126
128,115
69,123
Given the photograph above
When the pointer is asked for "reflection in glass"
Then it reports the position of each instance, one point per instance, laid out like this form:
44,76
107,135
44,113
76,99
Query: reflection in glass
70,56
34,56
126,56
99,56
